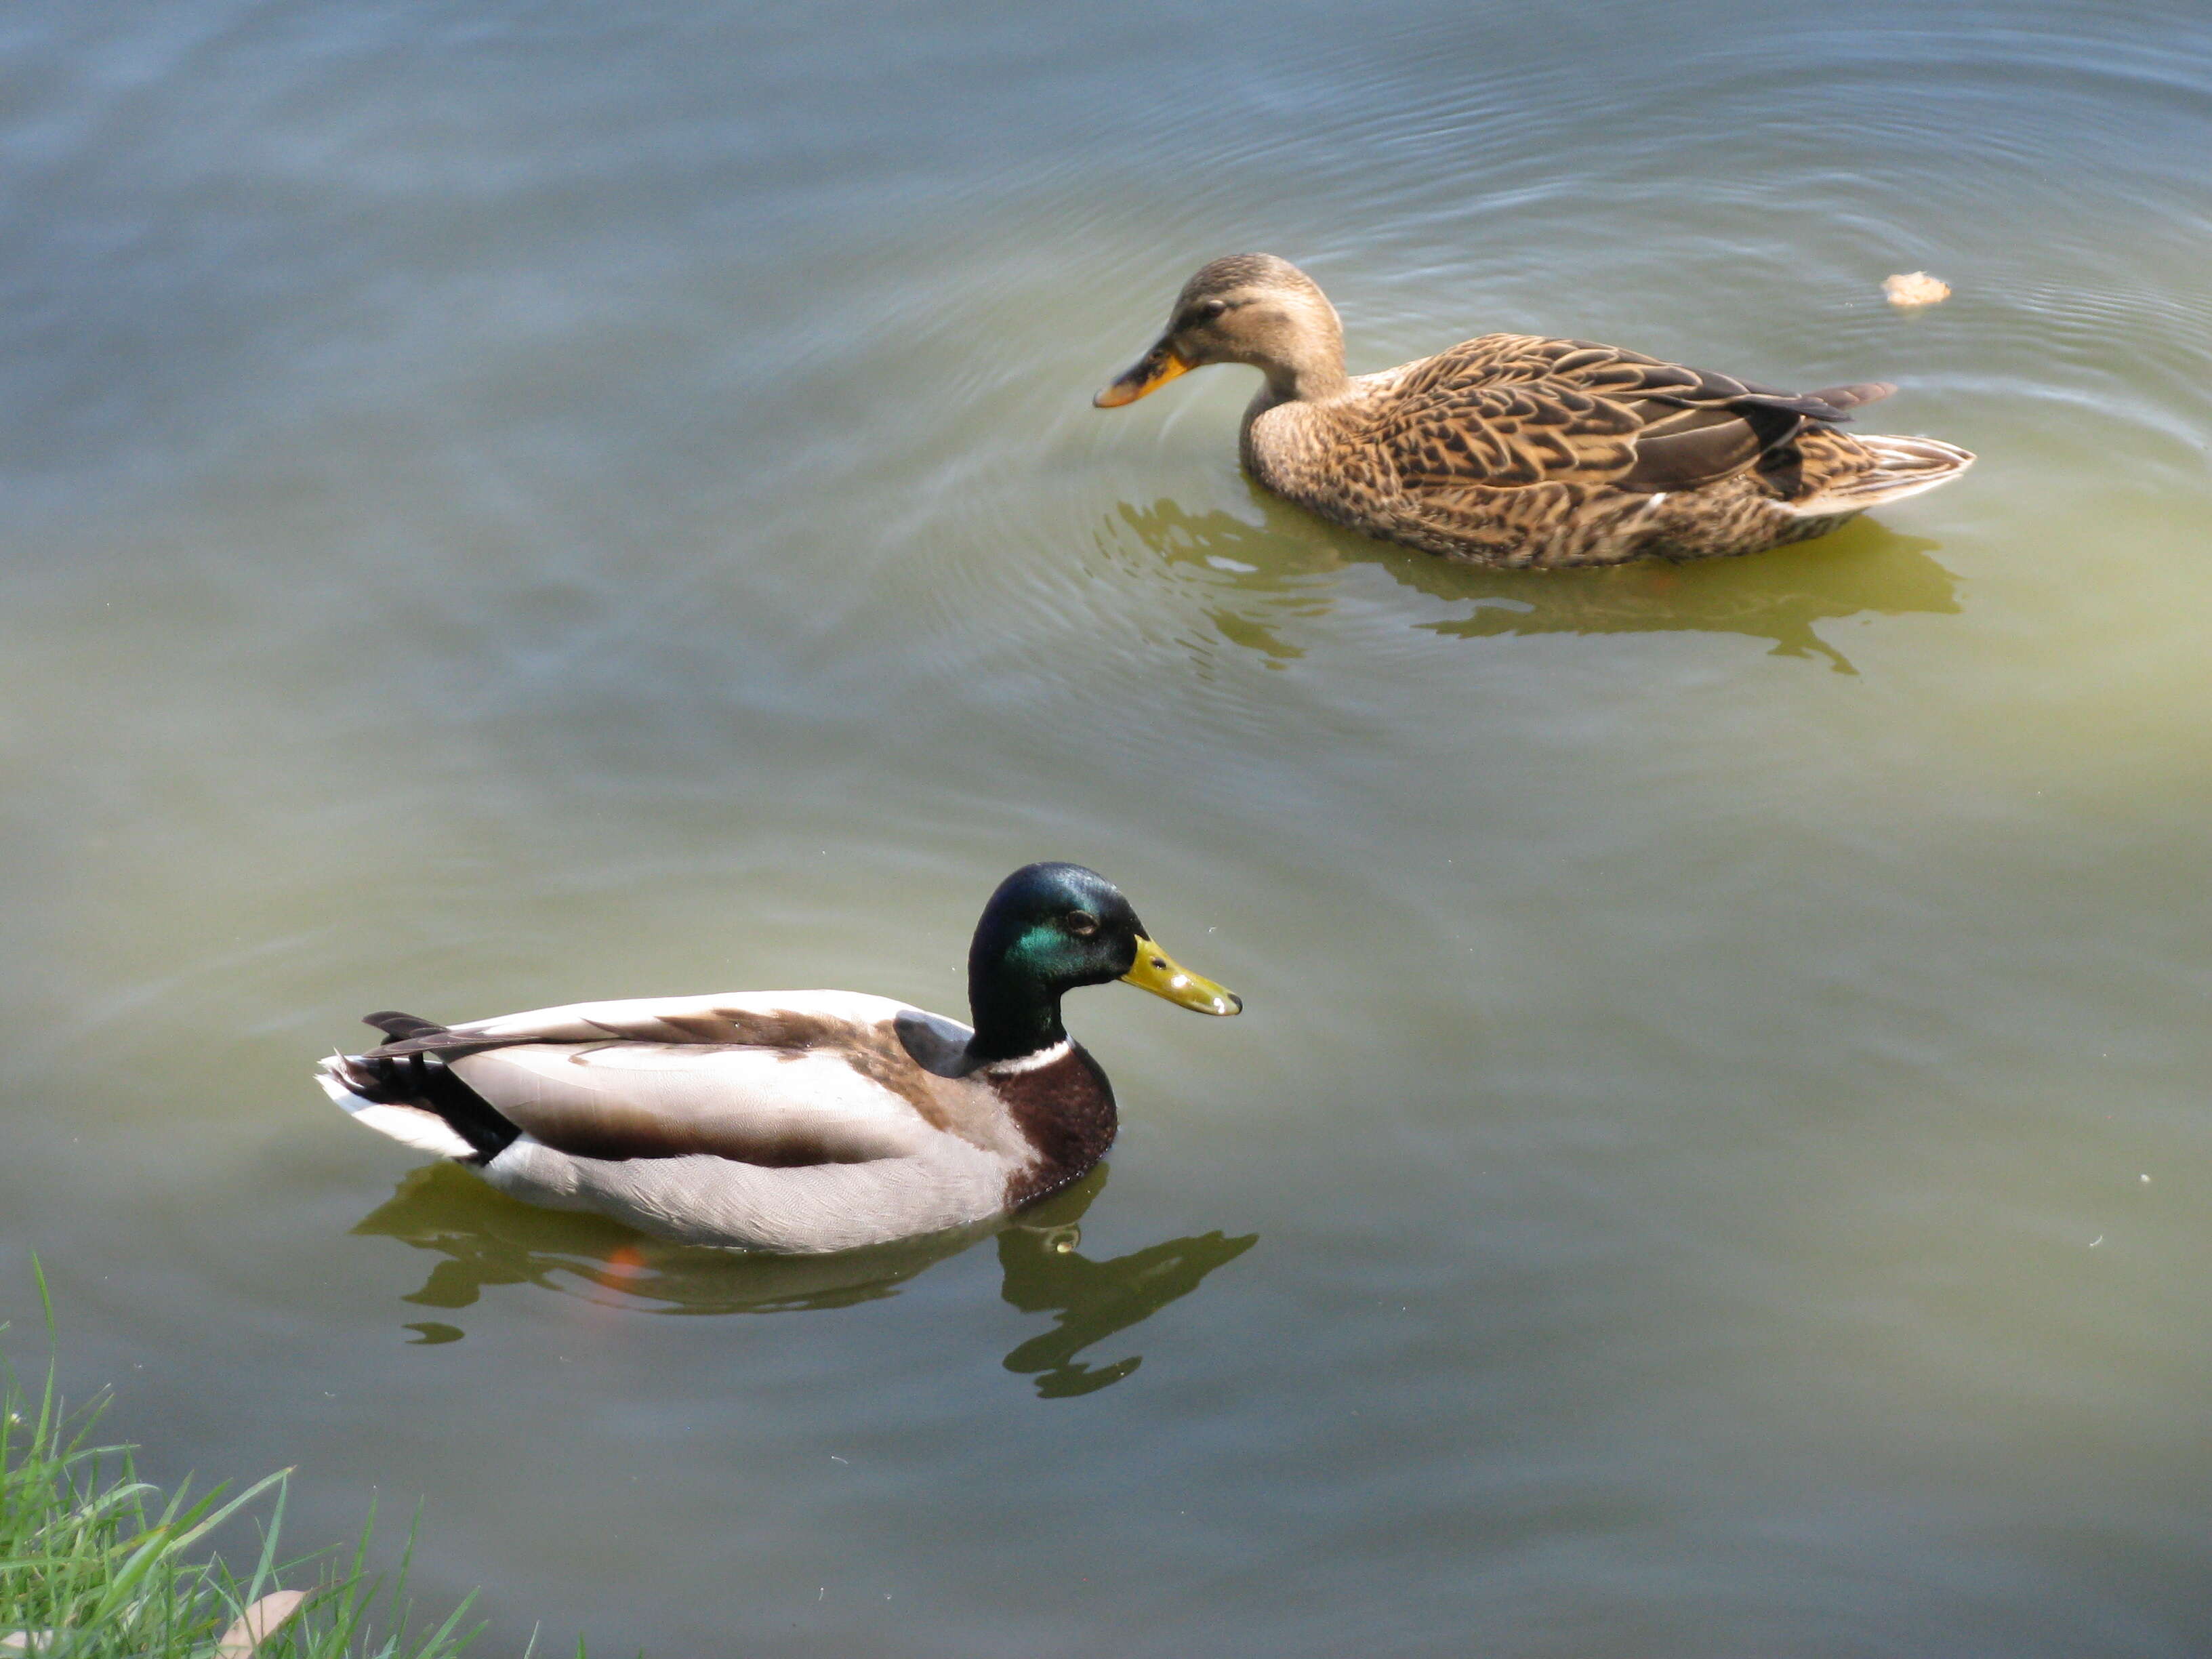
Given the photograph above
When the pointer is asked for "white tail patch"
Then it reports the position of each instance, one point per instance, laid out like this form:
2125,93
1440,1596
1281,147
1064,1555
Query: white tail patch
410,1126
1904,466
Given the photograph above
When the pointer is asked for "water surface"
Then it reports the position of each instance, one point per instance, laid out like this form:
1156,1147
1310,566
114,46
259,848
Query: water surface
511,503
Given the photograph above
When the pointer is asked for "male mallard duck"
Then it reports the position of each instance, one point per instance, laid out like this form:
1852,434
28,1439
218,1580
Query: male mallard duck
792,1120
1512,450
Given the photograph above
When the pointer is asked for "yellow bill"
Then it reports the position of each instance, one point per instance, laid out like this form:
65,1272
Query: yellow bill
1156,971
1154,370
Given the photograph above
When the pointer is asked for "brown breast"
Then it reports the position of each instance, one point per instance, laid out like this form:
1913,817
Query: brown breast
1066,1111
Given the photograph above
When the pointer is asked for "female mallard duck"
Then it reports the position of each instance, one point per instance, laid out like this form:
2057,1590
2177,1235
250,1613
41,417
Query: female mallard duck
796,1120
1512,450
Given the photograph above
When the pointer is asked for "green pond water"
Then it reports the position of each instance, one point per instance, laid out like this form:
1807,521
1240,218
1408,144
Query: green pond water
508,503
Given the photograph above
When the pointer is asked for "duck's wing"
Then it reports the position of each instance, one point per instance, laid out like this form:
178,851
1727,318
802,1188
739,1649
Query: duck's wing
783,1079
1508,410
768,1019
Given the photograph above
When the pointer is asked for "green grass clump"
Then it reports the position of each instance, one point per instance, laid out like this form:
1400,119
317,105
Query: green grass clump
95,1562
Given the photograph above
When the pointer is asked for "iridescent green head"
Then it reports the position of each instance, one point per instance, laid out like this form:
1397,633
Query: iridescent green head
1049,928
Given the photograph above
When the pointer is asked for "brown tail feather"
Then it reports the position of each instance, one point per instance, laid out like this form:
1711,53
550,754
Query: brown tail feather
1902,467
1851,397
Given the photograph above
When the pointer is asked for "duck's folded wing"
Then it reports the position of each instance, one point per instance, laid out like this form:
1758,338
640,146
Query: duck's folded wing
773,1019
779,1108
1509,410
779,1079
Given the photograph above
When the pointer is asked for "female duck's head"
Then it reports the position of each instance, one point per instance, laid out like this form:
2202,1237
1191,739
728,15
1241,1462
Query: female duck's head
1049,928
1247,308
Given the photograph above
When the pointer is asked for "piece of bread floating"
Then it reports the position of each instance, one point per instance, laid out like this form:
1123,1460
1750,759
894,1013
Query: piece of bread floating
1914,288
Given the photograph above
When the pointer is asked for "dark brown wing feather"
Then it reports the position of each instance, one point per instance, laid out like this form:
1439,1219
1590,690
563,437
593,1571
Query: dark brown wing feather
787,1029
1510,411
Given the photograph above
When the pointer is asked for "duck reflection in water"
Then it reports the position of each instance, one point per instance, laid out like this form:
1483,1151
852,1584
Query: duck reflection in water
1263,579
487,1239
1092,1300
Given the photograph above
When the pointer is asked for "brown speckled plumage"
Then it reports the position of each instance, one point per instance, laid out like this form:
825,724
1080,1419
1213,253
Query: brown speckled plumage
1515,450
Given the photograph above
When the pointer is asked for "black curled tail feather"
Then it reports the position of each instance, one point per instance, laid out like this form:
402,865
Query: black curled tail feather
410,1034
427,1083
398,1026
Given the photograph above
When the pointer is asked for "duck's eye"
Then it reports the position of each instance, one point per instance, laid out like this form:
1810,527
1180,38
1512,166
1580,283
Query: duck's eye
1082,924
1210,310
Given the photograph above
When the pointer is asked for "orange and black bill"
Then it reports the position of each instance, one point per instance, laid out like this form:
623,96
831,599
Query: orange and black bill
1154,370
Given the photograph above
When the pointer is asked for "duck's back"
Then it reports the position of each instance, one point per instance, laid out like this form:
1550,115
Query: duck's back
1522,450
